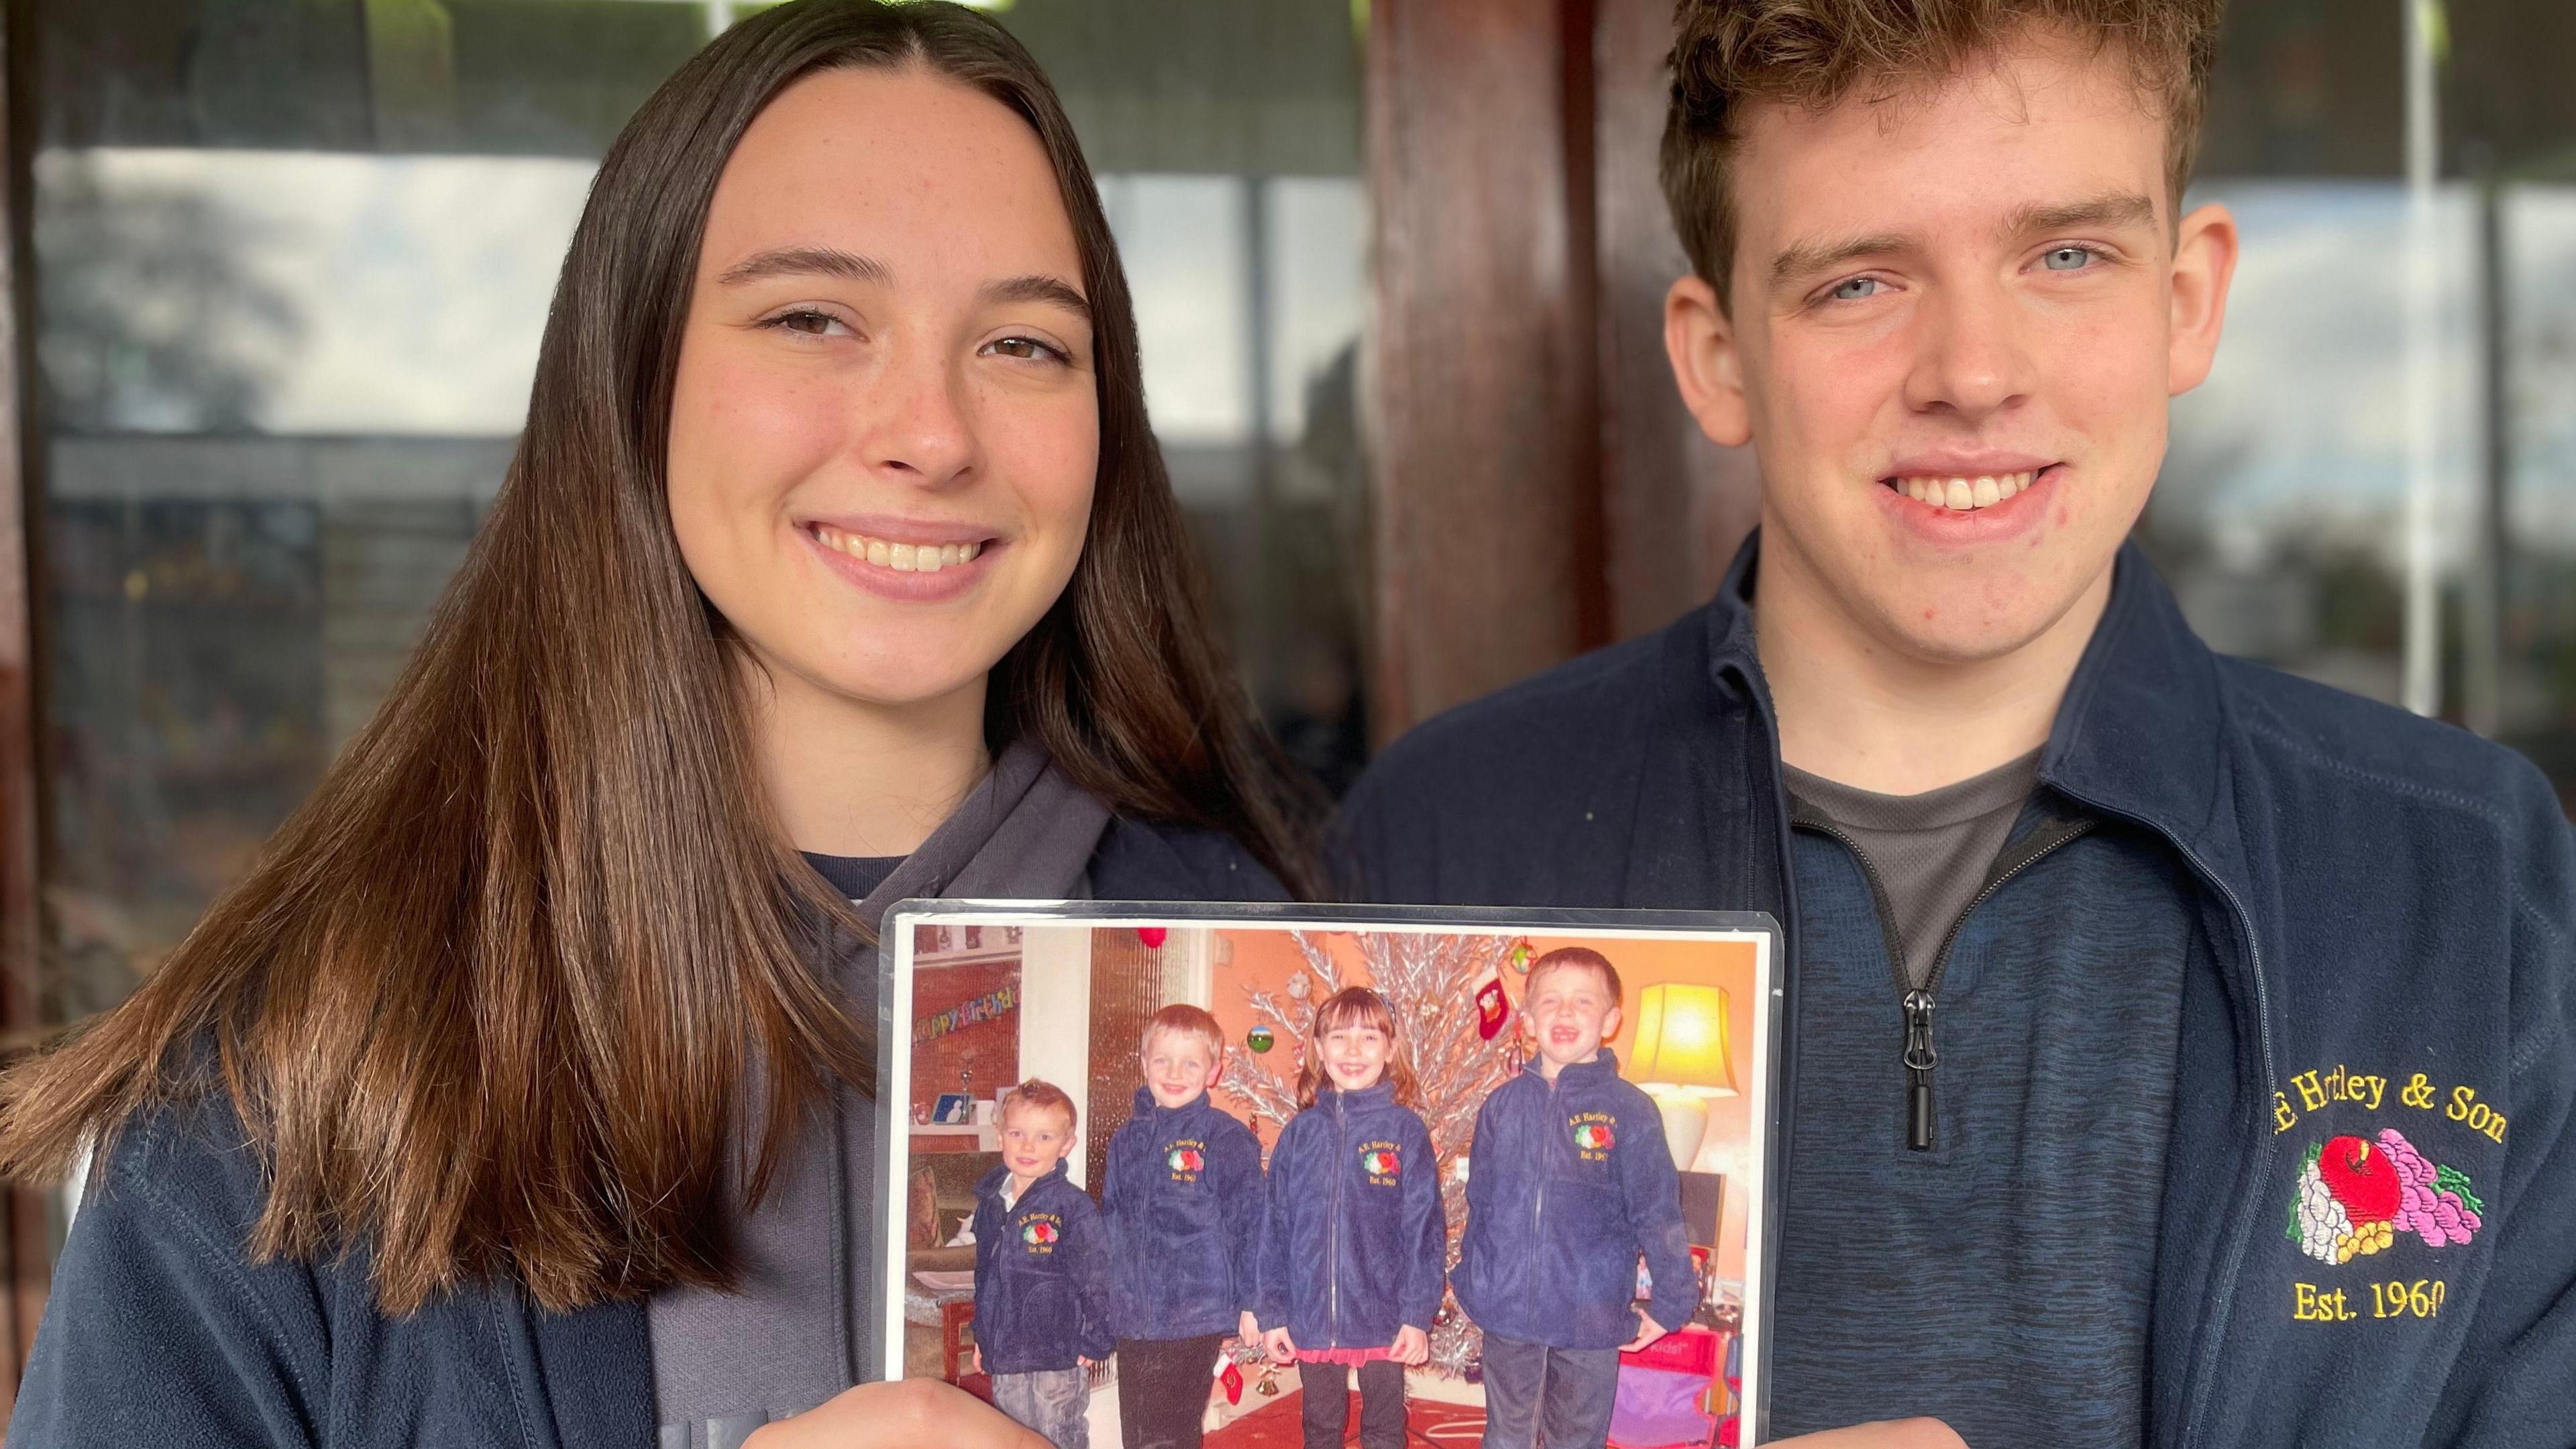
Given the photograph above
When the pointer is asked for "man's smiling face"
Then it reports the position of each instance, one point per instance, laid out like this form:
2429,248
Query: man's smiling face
1958,311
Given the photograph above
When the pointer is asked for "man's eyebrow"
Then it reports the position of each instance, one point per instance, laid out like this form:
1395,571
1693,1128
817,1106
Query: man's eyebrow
1052,291
806,261
1808,258
2111,208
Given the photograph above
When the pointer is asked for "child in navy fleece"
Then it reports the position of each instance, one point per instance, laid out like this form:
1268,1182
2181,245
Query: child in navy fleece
1182,1199
1354,1255
1041,1278
1568,1181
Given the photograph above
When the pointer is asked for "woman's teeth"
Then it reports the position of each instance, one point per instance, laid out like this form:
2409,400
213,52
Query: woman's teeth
1963,494
908,558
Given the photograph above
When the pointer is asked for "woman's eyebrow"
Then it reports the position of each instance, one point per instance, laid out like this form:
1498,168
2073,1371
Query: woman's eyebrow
806,261
1053,291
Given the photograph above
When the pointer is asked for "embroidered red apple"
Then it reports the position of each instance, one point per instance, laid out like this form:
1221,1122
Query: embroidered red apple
2362,1178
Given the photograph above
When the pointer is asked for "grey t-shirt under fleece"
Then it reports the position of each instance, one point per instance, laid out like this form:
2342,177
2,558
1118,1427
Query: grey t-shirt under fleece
1931,850
1999,1278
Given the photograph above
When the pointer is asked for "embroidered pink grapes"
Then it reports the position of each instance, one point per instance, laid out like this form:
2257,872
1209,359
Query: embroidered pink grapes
2355,1196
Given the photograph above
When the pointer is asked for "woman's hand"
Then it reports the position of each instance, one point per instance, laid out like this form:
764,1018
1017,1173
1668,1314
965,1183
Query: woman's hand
1412,1347
1283,1349
897,1416
1892,1434
1248,1328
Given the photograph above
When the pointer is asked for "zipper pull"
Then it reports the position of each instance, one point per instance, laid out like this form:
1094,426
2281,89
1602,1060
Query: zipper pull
1920,1059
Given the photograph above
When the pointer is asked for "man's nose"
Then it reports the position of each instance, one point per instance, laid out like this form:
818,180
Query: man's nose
1971,358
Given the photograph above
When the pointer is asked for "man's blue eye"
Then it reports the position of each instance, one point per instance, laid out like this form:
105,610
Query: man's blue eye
2068,259
1855,289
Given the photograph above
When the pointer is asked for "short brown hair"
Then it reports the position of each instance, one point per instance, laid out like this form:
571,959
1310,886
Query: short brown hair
1038,1096
1187,1020
1811,53
1575,958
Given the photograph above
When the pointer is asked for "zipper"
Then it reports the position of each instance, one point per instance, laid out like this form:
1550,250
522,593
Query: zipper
1538,1205
1916,1003
1333,1235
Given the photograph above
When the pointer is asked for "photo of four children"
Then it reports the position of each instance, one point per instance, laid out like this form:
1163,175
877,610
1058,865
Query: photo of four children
1333,1260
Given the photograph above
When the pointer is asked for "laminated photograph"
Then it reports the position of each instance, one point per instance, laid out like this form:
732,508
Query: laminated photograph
1251,1168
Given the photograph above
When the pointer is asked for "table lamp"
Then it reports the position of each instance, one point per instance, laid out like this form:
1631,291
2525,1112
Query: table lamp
1681,1058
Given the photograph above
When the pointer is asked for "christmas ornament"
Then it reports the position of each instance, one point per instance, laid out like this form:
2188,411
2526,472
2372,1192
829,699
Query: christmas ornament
1493,1008
1299,986
1520,954
1152,936
1232,1378
1260,1039
1269,1384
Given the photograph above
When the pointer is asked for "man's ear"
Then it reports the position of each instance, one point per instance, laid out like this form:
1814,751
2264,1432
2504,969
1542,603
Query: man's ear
1700,340
2204,262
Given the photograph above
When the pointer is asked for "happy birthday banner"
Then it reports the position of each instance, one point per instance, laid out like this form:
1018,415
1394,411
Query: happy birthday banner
965,1014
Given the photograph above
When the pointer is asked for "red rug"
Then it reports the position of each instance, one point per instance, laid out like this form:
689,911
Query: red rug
1281,1425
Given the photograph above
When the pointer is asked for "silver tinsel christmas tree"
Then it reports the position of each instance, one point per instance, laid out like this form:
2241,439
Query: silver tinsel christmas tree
1429,982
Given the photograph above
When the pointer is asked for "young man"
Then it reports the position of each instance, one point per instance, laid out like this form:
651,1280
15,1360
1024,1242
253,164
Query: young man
2181,1052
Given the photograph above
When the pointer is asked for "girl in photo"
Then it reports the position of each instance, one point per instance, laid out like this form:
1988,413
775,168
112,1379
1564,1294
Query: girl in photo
1355,1250
522,1092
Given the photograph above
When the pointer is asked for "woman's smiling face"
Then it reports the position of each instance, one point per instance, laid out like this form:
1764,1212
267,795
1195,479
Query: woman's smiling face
884,430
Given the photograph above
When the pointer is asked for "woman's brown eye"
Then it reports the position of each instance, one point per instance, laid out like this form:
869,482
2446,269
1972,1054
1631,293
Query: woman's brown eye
812,324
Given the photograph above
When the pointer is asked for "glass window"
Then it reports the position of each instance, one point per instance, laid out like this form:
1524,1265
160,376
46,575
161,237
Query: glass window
292,260
2373,488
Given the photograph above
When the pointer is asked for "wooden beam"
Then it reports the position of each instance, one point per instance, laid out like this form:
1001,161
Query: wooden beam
1675,505
1480,400
25,1230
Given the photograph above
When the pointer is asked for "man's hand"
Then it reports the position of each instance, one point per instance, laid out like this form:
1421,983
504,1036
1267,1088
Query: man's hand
1248,1328
897,1416
1283,1349
1892,1434
1648,1330
1412,1347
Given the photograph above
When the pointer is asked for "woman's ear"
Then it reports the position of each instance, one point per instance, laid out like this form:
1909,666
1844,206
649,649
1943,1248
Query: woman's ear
1700,340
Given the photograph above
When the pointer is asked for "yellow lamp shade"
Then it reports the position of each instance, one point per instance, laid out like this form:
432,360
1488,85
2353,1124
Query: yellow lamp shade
1682,1039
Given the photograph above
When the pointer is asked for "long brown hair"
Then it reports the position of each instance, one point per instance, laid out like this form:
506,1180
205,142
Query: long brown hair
1356,1006
489,999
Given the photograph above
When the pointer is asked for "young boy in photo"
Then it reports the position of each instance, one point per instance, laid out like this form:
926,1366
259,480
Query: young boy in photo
1041,1283
1183,1201
1568,1181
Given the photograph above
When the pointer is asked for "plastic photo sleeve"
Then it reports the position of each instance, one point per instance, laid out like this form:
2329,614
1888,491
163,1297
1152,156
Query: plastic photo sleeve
1052,1196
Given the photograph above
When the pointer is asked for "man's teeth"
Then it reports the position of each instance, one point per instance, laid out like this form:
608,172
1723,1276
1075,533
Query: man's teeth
909,558
1983,491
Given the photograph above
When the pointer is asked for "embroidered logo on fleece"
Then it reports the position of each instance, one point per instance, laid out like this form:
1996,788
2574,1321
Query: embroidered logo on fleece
1039,1234
1382,1160
1593,1133
2355,1195
1186,1160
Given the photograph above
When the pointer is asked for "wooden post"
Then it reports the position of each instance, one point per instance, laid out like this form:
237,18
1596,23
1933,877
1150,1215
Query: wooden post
25,1234
1480,397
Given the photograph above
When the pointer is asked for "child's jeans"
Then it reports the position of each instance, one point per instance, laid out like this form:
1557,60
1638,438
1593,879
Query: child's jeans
1163,1389
1328,1404
1056,1403
1538,1397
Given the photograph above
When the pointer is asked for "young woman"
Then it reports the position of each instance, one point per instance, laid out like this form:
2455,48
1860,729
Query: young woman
508,1101
1356,1251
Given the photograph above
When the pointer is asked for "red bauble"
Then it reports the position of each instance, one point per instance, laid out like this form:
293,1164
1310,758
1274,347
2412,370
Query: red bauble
2362,1178
1152,936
